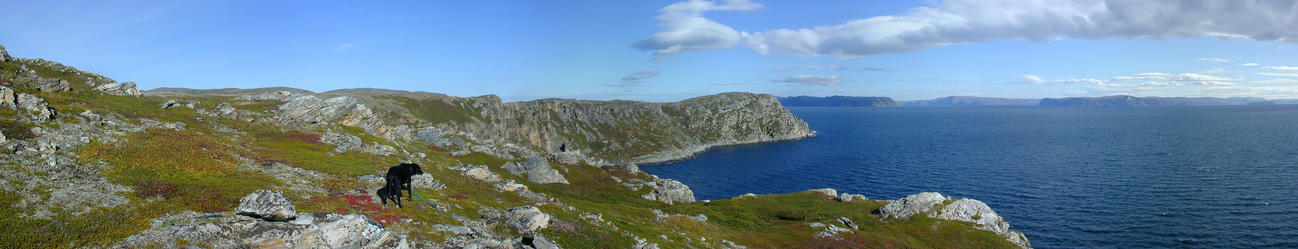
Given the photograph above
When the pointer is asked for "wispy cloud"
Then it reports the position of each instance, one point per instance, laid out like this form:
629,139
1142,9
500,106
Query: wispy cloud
1037,80
344,47
1203,80
811,80
1213,71
634,79
952,22
1281,68
1250,64
1214,60
1143,76
812,67
875,69
1280,74
1276,81
642,74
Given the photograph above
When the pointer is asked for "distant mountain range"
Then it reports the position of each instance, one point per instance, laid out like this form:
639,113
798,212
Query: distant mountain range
838,101
969,101
1116,100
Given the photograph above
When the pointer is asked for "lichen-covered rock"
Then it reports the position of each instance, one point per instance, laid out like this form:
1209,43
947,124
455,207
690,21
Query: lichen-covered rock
847,222
911,205
845,197
826,191
670,191
8,98
526,219
537,169
539,241
120,89
510,186
174,103
52,85
216,230
977,212
269,205
481,173
37,108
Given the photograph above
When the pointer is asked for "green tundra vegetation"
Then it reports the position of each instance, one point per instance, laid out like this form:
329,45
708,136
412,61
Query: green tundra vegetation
198,168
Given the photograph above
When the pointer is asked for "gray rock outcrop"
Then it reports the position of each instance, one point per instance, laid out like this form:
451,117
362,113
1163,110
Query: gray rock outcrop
8,98
52,85
539,241
526,219
967,210
37,108
217,230
119,89
268,205
670,191
537,169
826,191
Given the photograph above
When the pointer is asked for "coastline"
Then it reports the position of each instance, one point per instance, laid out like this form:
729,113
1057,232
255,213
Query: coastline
673,156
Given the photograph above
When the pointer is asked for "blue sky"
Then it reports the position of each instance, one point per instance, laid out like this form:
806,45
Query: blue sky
669,50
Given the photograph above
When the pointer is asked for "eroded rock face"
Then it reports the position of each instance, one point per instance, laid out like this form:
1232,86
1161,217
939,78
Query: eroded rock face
670,191
269,205
526,219
967,210
52,85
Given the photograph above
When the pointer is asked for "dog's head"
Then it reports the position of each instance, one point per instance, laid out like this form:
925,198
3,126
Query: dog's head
414,168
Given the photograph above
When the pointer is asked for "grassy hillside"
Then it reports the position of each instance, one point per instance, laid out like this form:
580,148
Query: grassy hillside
204,163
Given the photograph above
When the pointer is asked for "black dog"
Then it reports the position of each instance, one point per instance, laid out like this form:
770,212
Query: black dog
391,191
402,174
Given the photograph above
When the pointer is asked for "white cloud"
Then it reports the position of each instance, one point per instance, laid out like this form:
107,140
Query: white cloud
1037,80
1213,71
812,67
1280,74
811,80
1143,76
344,47
1161,84
685,29
875,69
1281,68
1276,81
1214,60
1250,64
970,21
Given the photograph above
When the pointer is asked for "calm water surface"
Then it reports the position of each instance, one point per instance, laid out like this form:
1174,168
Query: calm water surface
1188,177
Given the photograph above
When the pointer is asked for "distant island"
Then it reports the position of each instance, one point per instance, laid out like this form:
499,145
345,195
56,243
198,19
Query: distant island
1115,101
1125,100
969,101
838,101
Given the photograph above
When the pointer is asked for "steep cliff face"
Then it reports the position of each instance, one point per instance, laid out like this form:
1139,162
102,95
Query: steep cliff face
640,132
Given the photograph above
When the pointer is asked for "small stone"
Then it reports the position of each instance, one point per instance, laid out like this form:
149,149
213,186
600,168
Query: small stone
526,219
847,222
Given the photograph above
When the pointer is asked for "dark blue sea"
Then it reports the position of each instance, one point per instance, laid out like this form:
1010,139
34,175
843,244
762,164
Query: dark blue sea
1184,177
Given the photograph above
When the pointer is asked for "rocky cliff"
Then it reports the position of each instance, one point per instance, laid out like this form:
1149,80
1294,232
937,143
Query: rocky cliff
90,162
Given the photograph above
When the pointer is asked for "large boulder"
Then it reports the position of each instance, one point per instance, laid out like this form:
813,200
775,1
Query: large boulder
977,212
670,191
826,191
538,170
481,173
268,205
120,89
37,108
539,241
526,219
